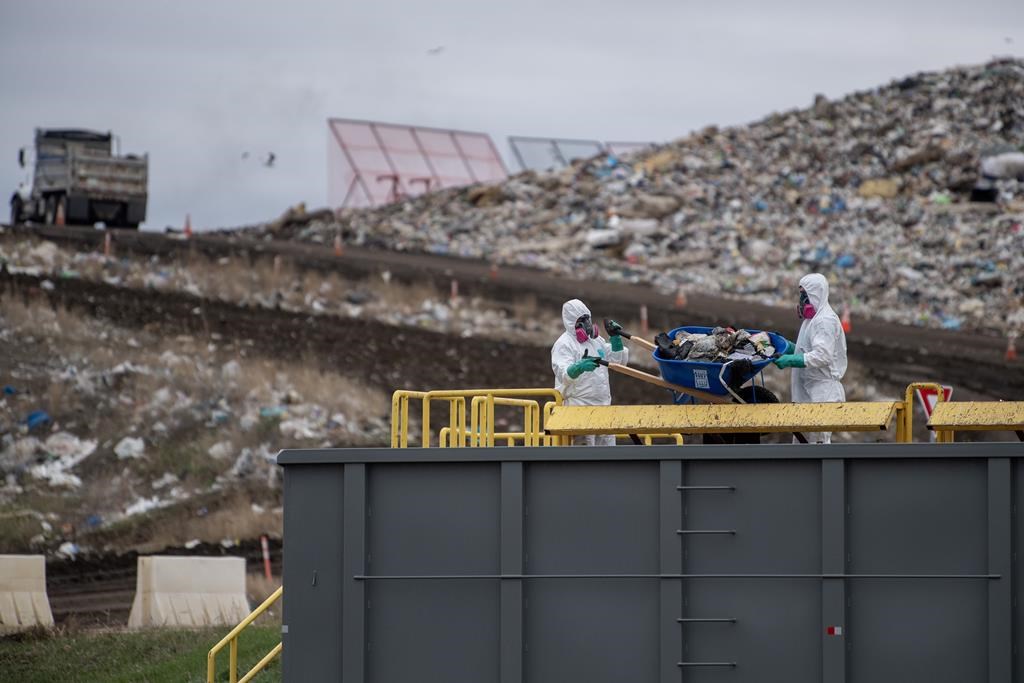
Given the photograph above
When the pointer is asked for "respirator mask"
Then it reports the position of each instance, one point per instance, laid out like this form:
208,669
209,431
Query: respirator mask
805,309
585,329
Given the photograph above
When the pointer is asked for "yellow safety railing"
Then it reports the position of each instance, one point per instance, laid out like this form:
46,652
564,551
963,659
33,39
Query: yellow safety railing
232,640
480,430
517,438
906,434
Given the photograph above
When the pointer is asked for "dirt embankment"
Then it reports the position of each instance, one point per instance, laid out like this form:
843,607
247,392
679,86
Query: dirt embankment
377,354
392,358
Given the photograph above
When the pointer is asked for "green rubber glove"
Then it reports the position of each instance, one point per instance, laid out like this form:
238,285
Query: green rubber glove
790,348
616,341
790,360
581,366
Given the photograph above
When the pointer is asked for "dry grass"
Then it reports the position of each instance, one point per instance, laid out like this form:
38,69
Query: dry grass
230,516
258,588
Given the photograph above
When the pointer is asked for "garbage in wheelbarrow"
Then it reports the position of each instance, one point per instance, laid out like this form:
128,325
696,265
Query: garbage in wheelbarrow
715,360
711,363
740,355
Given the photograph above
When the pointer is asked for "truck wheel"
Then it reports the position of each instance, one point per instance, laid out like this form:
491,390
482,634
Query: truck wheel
50,213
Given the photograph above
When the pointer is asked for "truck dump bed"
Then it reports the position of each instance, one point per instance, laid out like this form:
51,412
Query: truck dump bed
82,162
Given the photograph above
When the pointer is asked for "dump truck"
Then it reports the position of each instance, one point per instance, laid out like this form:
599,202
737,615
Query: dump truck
79,179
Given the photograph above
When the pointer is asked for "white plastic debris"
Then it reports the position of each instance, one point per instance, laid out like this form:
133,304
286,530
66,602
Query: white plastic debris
165,480
231,370
130,447
143,505
65,450
220,450
300,428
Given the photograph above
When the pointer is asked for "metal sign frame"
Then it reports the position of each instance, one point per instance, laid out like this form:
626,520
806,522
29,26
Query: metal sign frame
412,159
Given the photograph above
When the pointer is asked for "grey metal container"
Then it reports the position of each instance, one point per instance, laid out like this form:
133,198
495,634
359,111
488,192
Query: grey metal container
861,562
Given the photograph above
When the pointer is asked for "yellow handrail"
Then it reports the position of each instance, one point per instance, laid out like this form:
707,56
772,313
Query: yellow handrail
482,404
481,428
232,639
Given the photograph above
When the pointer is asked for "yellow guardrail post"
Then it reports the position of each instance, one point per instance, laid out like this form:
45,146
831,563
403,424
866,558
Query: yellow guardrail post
231,641
901,422
945,436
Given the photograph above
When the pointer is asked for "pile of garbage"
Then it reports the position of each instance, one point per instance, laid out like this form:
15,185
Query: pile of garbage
99,424
871,189
721,345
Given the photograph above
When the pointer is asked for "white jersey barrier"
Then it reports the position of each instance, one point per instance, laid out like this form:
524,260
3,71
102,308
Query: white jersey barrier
23,601
189,591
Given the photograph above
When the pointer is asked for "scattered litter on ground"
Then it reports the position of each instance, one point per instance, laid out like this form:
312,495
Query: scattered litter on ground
130,447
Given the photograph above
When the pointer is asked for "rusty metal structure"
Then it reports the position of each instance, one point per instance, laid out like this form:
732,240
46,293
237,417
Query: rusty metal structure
370,163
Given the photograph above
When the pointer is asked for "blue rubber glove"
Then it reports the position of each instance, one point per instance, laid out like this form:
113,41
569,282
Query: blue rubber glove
790,348
616,342
581,366
790,360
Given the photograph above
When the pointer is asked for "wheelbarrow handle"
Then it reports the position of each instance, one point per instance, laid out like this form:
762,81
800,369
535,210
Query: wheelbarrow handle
613,328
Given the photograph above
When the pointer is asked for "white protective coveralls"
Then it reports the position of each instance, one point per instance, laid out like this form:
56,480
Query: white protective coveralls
590,388
823,343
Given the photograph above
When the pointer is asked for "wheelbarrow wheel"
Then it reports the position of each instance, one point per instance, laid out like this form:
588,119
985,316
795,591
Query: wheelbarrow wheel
752,393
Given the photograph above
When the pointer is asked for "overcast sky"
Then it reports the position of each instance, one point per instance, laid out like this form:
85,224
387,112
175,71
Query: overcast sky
197,84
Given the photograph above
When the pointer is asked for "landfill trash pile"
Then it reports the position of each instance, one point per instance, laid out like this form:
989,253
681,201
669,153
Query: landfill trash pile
282,288
722,345
870,189
100,424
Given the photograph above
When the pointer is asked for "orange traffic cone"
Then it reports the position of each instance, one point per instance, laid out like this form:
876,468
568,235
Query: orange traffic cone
338,250
188,225
845,320
680,299
59,219
1011,348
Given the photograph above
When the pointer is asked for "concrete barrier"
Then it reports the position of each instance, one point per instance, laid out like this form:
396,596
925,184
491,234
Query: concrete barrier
23,601
189,591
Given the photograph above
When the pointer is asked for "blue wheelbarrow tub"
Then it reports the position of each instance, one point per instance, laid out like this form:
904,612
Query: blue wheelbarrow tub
702,375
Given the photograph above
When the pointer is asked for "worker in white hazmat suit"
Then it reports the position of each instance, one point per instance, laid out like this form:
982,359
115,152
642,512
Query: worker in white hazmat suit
818,358
582,381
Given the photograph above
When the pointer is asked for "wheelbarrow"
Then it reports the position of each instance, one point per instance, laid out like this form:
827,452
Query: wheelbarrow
691,381
709,382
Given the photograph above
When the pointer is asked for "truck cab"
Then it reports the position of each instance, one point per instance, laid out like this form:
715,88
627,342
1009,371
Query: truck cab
78,179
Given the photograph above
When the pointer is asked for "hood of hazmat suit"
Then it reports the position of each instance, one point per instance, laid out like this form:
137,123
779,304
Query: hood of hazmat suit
590,388
822,342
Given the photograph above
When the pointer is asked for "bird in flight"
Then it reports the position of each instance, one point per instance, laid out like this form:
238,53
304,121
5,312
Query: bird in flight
435,51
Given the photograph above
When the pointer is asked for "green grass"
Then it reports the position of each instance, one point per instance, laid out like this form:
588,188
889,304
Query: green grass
152,656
